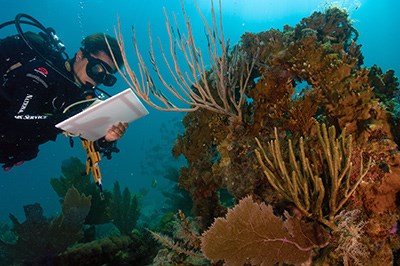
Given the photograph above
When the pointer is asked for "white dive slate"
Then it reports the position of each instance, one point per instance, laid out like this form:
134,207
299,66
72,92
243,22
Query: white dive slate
94,122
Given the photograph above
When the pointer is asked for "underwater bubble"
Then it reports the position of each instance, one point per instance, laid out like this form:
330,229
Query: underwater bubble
80,16
349,5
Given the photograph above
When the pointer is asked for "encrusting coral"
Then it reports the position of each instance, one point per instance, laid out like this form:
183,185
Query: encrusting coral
204,133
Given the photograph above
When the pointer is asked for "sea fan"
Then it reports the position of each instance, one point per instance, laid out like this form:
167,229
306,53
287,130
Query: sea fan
251,233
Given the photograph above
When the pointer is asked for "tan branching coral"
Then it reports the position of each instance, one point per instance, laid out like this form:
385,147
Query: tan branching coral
318,187
220,89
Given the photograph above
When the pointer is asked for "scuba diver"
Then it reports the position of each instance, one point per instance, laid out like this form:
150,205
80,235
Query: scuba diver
39,82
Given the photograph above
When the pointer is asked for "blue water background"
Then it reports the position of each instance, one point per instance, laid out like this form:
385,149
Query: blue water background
146,148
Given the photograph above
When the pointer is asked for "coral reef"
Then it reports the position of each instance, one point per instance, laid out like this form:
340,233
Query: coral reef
181,244
199,144
121,209
67,239
331,166
6,236
125,209
176,197
39,239
73,174
307,74
271,87
351,239
132,249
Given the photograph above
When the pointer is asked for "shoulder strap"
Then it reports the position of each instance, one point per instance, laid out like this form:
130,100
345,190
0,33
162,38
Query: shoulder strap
14,52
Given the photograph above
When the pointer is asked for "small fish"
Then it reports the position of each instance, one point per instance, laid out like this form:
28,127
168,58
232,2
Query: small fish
154,183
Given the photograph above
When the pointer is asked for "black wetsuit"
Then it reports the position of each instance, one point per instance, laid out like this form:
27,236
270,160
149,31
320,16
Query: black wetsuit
32,99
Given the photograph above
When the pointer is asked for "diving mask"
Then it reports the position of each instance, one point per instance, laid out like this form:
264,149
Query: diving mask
100,71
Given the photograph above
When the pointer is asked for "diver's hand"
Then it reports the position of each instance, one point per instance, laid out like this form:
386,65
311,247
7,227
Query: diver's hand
116,132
